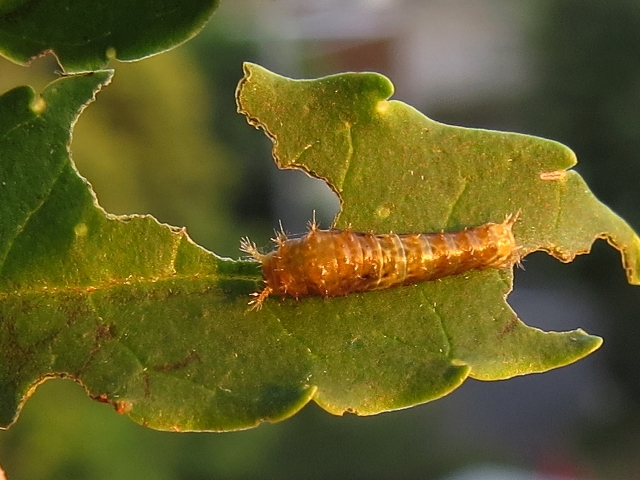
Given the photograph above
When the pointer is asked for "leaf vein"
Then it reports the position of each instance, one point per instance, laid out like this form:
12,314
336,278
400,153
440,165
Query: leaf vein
347,161
29,215
458,200
445,332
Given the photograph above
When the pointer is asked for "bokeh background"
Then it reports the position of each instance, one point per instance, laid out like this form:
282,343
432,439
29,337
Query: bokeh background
165,139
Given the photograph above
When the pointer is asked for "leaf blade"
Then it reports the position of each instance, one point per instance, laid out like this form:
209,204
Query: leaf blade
160,328
479,176
84,36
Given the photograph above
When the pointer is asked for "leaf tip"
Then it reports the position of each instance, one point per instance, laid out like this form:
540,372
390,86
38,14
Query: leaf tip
584,345
591,342
249,68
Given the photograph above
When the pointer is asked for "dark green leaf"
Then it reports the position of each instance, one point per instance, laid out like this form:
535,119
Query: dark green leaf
84,36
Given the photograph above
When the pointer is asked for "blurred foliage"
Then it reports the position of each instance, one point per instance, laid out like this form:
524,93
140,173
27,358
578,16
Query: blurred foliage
38,74
146,148
220,58
588,97
269,195
93,442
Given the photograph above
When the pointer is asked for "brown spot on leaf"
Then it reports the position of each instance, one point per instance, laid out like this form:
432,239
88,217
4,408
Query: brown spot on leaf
122,406
170,367
553,176
102,398
508,328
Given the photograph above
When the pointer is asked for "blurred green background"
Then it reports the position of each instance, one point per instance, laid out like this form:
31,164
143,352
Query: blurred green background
164,139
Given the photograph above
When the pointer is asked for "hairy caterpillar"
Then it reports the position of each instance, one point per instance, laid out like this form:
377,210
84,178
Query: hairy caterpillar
333,263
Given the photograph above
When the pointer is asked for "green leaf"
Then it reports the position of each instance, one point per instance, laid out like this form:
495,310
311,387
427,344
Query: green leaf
144,318
396,170
84,36
159,328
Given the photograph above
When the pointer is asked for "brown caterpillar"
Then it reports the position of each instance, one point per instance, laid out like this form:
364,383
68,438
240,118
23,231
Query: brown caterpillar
332,263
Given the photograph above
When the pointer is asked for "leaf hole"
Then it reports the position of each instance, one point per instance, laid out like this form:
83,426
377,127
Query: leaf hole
297,196
552,295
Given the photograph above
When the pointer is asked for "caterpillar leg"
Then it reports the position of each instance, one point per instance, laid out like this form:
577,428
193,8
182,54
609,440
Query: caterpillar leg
247,246
516,256
512,218
256,304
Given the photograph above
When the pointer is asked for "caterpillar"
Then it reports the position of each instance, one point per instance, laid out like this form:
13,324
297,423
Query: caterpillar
332,263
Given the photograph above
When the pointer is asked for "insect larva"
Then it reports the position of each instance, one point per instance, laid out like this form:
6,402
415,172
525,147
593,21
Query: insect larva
333,263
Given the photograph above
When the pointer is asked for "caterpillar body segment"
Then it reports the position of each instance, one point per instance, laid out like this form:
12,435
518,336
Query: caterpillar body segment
331,263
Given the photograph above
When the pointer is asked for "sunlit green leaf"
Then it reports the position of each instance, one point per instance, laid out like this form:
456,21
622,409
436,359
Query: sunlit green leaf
159,328
396,170
143,317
